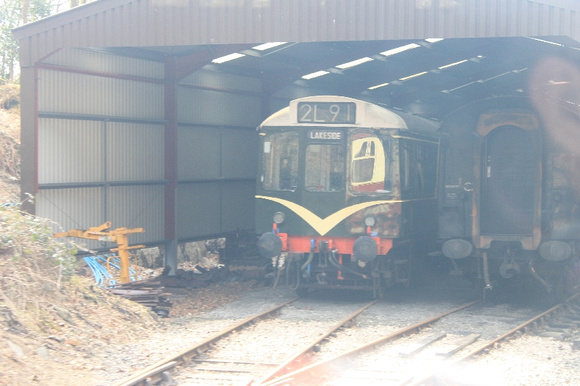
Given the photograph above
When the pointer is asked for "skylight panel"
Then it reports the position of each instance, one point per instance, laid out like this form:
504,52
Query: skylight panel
414,75
354,63
228,58
459,87
267,46
398,50
453,64
546,41
378,86
315,75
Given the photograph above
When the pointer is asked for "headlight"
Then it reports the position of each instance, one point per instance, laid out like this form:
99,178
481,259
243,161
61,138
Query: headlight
269,245
279,217
457,248
555,250
365,249
370,220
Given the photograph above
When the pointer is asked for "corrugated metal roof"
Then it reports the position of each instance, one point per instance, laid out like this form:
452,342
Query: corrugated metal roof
325,34
142,23
426,76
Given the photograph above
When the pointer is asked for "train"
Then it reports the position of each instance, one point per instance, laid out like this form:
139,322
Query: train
509,193
353,195
346,193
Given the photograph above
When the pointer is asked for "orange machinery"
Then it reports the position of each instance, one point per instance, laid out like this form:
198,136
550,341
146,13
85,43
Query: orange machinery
118,235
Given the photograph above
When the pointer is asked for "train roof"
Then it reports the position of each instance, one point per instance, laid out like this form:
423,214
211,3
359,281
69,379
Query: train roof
368,115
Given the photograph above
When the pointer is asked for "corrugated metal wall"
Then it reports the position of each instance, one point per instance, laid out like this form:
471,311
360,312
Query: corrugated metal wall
101,152
101,143
65,155
83,151
108,97
91,59
217,145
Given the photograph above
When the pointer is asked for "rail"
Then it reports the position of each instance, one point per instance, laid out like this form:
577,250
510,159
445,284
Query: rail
158,372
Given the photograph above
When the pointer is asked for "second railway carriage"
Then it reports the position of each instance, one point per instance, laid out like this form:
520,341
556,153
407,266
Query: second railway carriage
345,191
509,195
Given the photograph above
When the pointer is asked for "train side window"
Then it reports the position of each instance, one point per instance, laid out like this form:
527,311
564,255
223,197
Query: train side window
367,163
418,169
404,161
280,161
428,162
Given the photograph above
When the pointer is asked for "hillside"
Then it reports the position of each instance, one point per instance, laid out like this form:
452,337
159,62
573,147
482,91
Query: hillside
9,143
47,313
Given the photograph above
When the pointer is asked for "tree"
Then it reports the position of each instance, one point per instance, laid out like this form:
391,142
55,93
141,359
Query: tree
15,13
76,3
10,17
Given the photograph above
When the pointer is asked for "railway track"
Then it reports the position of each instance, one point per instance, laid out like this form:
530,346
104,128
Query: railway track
414,355
222,359
160,371
538,321
311,342
235,360
209,361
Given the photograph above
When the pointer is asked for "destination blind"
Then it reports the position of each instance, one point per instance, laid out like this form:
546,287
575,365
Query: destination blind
325,135
327,112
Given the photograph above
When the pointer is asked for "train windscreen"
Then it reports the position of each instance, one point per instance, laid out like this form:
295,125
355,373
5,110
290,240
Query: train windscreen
325,166
280,161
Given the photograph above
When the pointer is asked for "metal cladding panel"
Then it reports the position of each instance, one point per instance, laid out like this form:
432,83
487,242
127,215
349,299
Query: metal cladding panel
277,104
134,152
238,206
102,96
137,207
198,211
285,95
125,23
73,209
220,80
198,149
63,153
211,153
127,206
239,153
104,62
199,106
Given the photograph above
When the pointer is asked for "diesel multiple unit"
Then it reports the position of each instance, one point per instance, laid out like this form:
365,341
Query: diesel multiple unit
346,190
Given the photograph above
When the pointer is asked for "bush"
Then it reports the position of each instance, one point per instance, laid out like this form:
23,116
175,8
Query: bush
33,264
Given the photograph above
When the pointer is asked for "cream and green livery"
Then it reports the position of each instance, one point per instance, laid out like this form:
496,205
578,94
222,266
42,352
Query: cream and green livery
345,188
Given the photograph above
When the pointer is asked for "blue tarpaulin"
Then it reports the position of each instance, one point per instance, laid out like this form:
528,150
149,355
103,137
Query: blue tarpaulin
98,265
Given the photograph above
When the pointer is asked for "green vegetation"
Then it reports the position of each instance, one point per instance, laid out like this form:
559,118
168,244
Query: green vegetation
34,266
15,13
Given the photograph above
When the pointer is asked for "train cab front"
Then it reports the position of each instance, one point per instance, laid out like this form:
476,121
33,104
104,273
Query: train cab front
329,197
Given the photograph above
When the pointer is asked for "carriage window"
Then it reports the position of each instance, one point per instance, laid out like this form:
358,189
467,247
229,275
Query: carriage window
280,161
325,166
418,169
367,164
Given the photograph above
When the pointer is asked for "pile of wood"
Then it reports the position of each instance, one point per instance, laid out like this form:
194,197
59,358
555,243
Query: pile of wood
149,293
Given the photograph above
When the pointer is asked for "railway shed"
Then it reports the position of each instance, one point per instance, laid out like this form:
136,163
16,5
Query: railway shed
143,112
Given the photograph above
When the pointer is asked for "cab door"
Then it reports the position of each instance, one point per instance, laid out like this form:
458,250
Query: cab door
508,181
